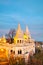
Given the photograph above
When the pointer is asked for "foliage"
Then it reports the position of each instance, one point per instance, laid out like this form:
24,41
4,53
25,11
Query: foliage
39,56
37,59
38,50
17,61
10,35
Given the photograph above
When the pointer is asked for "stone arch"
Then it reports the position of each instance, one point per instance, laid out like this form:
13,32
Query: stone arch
14,51
20,51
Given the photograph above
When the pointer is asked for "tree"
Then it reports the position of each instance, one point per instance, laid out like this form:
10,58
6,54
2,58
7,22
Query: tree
10,35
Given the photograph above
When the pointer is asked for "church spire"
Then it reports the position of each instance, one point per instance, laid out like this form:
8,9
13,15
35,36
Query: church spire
19,28
27,31
19,32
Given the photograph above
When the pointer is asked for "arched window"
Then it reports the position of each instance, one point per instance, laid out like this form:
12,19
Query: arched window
14,52
11,51
20,41
20,51
17,41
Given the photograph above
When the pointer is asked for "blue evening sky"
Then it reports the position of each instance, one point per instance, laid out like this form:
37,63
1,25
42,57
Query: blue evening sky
25,12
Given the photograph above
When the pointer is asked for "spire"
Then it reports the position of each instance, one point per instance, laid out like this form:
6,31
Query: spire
19,28
27,31
19,32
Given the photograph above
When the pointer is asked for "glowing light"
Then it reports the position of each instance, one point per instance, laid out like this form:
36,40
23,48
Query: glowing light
0,39
15,39
2,49
38,46
4,41
25,36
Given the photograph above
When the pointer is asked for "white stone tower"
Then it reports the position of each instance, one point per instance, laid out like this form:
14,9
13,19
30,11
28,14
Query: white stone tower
27,32
19,32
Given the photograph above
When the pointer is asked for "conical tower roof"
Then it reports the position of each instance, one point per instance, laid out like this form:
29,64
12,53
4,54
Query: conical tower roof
19,32
19,28
27,31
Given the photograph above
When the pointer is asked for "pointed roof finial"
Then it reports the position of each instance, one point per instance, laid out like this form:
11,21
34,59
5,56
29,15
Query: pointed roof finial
27,31
19,32
19,28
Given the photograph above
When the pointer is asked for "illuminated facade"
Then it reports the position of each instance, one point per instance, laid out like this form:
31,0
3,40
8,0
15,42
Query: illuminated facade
23,44
3,39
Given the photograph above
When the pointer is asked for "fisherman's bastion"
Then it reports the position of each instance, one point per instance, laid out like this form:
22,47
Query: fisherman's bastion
23,44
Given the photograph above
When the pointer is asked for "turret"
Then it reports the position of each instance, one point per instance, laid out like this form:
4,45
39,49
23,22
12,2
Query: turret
3,39
19,35
27,36
19,32
27,31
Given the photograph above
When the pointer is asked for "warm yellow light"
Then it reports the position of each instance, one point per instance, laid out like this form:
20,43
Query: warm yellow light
15,39
2,49
3,53
4,41
0,39
38,46
25,36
